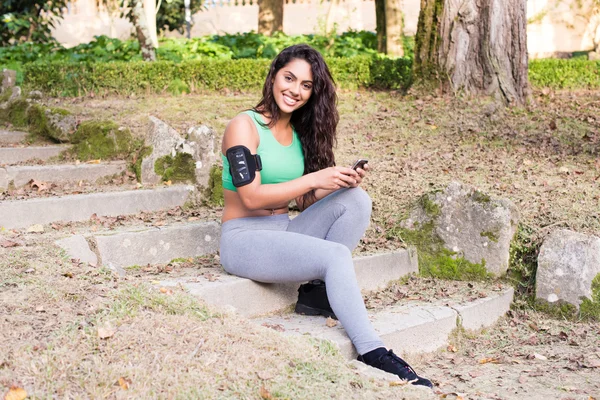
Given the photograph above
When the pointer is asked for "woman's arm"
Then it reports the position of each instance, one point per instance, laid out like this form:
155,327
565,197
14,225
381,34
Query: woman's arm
256,196
321,193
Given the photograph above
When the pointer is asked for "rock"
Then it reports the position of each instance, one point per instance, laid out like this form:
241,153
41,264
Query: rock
594,56
35,95
16,93
202,142
62,125
469,224
9,78
567,263
37,228
166,141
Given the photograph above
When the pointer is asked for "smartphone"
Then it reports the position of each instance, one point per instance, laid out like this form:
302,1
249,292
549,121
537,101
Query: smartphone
360,163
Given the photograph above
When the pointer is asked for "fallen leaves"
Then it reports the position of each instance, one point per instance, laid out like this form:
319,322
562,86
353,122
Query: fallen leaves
37,228
124,383
330,322
106,331
493,360
9,243
15,393
264,393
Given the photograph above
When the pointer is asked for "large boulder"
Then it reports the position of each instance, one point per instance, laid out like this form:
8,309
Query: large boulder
467,224
568,262
176,158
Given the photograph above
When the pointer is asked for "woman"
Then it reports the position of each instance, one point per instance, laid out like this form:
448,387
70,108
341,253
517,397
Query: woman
292,130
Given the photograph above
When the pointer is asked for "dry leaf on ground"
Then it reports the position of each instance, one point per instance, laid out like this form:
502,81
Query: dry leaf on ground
15,393
331,322
264,393
124,383
106,331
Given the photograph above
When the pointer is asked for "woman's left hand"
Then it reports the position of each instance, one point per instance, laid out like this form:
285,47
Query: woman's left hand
362,172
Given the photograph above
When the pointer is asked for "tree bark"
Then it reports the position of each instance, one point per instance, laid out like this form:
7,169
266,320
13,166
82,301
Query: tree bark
474,47
142,31
380,25
270,16
150,11
393,28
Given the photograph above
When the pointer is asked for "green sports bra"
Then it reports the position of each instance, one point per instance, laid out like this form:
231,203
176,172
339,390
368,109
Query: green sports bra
279,163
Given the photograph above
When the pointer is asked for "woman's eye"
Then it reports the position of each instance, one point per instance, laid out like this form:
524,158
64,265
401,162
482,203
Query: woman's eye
288,78
307,87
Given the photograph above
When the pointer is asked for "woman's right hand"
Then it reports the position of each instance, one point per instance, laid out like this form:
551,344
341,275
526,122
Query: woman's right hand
334,178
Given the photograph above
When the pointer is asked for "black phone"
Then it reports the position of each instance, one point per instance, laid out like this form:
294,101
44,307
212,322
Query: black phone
360,163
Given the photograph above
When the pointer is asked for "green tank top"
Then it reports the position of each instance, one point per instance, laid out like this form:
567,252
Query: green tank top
279,163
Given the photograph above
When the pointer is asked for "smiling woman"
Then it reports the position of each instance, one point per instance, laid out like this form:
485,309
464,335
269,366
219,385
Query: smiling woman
282,150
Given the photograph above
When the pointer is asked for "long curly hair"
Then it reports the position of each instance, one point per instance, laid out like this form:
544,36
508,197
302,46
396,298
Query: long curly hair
316,121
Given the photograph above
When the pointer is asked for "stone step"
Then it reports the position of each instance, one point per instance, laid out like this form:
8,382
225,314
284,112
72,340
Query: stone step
21,175
13,155
24,213
251,298
144,245
11,137
408,328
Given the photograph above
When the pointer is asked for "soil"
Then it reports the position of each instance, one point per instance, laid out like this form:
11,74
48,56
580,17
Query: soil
77,331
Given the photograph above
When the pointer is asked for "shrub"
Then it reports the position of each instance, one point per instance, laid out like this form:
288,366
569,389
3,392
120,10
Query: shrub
564,74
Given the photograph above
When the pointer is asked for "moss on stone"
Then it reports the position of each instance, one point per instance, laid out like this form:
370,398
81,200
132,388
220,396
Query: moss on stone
590,308
102,140
136,166
492,236
16,113
215,186
61,111
480,197
5,95
180,168
559,309
437,261
431,208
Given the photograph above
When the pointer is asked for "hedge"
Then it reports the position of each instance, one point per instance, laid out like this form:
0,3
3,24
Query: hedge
73,79
564,74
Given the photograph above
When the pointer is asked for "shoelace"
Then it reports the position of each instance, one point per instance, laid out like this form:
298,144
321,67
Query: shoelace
396,359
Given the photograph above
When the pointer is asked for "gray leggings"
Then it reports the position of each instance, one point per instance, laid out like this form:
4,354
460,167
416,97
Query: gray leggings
317,244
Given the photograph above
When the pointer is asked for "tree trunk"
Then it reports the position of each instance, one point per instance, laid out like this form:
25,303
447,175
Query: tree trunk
329,19
150,11
393,28
380,25
474,47
142,31
270,16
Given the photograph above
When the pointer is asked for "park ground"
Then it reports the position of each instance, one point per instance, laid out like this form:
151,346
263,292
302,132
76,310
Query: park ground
71,330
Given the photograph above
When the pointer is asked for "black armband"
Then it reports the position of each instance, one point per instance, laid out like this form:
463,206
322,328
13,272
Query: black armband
242,165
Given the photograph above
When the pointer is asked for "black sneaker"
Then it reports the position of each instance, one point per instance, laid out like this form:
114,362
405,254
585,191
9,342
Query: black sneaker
389,362
312,300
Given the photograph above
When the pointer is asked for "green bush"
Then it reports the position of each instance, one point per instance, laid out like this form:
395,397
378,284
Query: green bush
564,74
73,79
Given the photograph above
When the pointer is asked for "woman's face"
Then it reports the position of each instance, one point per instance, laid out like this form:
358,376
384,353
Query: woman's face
293,85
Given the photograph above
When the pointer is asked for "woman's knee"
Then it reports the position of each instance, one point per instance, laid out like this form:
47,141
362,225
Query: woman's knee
338,258
357,201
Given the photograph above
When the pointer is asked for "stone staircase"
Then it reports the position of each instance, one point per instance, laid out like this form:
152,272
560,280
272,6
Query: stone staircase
410,326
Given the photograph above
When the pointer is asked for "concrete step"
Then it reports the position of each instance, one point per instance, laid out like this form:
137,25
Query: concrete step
11,137
21,175
409,328
144,245
251,298
14,155
24,213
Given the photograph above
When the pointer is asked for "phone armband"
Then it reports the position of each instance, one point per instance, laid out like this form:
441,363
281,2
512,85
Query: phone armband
242,165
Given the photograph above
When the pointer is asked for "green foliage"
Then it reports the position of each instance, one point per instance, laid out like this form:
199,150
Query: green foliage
431,208
590,308
559,309
28,20
492,236
180,168
564,74
523,252
102,140
177,87
171,14
215,186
